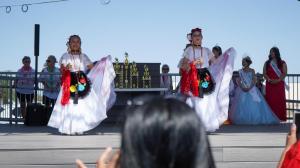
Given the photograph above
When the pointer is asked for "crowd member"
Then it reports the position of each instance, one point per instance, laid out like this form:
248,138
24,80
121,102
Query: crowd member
160,133
25,84
51,82
166,80
290,157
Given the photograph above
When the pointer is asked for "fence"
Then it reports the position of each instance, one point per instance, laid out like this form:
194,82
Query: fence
10,109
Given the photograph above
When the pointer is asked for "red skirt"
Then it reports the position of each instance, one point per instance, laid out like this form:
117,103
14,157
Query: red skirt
275,96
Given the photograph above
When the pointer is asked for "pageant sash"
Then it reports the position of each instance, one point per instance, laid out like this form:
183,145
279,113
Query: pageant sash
247,83
278,73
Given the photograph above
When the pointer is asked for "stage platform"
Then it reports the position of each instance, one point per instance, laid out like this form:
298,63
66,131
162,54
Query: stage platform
233,146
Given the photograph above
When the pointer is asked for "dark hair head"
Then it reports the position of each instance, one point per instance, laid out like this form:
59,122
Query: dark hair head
72,37
218,49
196,30
164,133
248,60
189,35
165,66
25,58
235,74
277,56
52,58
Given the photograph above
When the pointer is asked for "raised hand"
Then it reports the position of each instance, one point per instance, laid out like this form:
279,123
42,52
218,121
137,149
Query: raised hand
106,160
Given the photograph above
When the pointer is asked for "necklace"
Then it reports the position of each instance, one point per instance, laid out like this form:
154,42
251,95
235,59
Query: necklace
76,66
201,53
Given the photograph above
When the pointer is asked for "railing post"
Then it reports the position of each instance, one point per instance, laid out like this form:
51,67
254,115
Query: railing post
16,107
10,101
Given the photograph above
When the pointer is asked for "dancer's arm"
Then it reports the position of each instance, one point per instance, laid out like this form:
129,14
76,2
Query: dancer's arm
90,66
87,62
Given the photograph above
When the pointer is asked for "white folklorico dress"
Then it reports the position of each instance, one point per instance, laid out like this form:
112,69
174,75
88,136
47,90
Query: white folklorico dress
213,108
91,109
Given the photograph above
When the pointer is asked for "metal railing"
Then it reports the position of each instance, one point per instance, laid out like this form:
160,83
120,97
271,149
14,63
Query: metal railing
10,107
293,94
10,110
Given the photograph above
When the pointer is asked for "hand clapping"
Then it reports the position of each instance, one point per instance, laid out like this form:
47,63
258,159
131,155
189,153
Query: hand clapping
106,160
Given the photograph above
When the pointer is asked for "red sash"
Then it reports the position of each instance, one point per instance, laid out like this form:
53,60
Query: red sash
189,81
66,82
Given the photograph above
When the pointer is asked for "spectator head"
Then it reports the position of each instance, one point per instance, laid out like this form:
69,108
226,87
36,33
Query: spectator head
164,133
165,68
51,60
26,61
235,76
217,51
260,77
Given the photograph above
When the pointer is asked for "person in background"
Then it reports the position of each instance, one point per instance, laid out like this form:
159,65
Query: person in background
25,84
166,80
249,106
1,108
51,82
173,136
217,52
232,87
275,70
233,84
260,83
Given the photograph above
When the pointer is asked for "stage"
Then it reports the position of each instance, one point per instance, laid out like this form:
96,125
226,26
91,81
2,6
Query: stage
233,146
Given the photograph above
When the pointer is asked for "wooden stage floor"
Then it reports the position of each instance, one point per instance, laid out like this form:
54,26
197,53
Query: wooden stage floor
233,146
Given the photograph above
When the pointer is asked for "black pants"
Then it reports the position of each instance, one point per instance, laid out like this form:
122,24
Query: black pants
48,102
25,98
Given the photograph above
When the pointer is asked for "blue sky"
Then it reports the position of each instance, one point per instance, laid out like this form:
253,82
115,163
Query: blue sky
153,30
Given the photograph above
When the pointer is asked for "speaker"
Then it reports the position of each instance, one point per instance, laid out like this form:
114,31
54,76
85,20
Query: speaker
36,40
36,115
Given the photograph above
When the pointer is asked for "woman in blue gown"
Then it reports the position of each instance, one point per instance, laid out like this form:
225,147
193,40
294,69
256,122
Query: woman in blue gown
249,106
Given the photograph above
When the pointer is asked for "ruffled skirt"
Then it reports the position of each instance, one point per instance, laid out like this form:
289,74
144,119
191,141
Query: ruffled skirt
213,108
91,109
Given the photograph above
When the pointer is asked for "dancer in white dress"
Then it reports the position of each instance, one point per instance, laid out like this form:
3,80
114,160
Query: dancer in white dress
83,99
207,86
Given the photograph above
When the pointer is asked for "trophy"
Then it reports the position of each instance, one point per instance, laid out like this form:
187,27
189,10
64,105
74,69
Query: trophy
126,65
127,74
121,85
146,78
134,75
117,68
